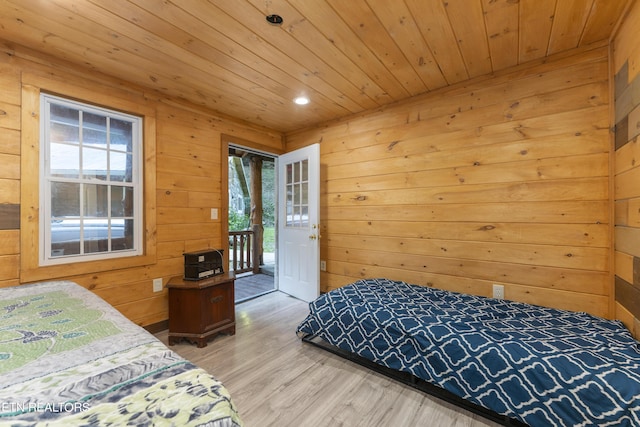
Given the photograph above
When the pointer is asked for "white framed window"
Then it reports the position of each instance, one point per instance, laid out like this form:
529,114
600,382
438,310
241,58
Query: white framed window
91,195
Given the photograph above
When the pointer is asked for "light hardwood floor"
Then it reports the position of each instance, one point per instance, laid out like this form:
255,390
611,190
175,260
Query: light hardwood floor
276,380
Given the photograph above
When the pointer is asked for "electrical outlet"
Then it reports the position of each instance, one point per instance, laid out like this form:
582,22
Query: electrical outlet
323,265
157,285
498,291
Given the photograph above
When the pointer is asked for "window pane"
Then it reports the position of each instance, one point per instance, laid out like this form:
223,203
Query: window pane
121,134
65,124
94,130
289,173
65,199
96,200
96,235
94,163
56,252
121,166
64,160
122,234
64,114
121,201
68,134
305,170
65,237
95,246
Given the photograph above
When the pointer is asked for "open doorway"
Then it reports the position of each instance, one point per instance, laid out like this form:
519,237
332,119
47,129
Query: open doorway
252,214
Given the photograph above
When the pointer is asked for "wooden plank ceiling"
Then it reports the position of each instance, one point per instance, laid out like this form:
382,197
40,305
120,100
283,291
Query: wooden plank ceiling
347,56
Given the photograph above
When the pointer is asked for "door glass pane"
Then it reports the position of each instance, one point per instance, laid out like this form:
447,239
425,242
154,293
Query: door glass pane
298,194
290,205
304,217
304,194
296,216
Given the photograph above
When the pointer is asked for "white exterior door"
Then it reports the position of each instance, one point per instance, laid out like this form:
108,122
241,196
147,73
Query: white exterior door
298,223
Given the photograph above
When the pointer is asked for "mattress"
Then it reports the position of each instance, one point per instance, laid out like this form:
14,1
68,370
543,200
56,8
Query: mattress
537,365
68,358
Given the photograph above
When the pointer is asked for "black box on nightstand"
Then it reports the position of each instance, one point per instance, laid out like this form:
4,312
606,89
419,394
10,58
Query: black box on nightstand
202,264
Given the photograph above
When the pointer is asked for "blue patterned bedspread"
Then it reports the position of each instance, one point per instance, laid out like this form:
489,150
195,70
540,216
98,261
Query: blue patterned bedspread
542,366
67,358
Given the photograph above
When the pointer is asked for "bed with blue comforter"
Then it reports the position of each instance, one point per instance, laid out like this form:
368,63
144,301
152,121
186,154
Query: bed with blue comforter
537,365
67,358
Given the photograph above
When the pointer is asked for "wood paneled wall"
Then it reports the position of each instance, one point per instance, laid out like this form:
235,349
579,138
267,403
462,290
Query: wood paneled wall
189,175
502,180
626,64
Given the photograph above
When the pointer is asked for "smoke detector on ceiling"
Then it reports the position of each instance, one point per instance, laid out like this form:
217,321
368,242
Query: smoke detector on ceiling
274,19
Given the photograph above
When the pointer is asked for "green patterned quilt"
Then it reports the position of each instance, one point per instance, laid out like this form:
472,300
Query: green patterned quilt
69,358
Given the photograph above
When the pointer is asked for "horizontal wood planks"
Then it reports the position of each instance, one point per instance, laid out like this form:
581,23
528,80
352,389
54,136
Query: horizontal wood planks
187,161
626,51
9,174
505,180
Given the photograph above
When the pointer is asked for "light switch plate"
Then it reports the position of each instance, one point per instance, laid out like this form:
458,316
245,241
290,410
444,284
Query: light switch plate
157,285
214,213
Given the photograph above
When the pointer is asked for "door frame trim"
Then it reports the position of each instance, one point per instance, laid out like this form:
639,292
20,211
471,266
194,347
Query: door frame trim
227,141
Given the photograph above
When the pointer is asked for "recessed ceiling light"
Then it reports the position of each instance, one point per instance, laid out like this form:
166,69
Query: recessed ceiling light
301,100
275,19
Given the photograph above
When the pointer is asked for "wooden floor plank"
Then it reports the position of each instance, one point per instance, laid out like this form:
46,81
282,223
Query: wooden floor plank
276,380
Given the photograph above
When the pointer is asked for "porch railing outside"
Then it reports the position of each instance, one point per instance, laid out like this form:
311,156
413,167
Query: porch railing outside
243,254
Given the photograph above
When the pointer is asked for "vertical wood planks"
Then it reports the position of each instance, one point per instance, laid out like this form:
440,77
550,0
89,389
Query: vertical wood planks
626,51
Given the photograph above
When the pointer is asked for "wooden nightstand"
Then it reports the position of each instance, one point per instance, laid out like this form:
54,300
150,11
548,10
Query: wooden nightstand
201,309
